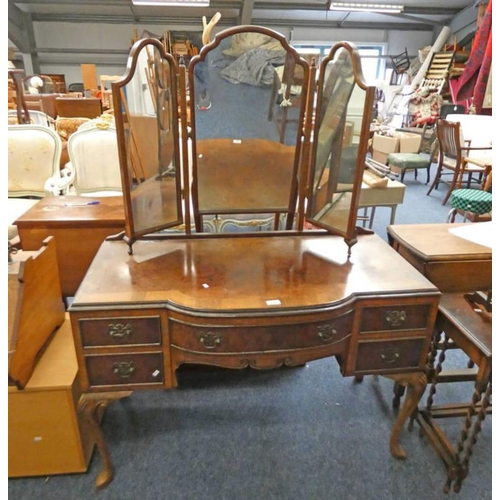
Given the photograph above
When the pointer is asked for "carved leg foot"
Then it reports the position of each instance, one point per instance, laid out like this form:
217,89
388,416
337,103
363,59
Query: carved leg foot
416,384
92,407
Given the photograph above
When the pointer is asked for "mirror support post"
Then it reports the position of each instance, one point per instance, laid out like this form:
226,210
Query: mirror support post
184,148
306,158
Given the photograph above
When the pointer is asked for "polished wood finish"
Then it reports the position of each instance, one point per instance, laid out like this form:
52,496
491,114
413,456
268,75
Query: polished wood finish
87,107
470,331
452,263
250,301
46,434
35,307
78,231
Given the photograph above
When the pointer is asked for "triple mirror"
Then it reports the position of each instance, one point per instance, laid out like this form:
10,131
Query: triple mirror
247,130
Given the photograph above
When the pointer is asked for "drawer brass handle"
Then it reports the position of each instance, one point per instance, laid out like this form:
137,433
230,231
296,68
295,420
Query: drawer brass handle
124,369
119,330
211,340
395,318
390,355
326,332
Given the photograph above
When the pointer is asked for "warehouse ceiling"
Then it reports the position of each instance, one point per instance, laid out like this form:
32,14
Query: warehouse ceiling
417,15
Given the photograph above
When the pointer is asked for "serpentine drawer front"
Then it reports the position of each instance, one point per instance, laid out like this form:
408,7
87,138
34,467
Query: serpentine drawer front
125,369
113,331
227,339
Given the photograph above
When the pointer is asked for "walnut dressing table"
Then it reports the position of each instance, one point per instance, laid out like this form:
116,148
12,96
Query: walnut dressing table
257,301
153,299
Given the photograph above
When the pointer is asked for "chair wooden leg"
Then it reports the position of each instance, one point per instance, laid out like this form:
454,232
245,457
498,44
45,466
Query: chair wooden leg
436,180
454,184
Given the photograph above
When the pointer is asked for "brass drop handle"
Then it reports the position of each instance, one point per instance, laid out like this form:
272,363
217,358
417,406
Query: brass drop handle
119,330
326,332
124,369
389,355
395,317
211,340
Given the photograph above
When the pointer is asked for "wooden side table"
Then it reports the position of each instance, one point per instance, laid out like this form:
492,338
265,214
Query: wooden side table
459,325
78,229
452,263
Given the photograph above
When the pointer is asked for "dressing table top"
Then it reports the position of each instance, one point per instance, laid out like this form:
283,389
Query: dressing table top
306,272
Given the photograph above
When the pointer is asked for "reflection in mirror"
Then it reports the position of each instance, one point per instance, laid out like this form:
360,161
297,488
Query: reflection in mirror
340,142
145,103
248,91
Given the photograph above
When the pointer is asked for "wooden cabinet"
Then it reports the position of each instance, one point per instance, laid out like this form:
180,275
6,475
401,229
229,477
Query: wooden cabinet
46,434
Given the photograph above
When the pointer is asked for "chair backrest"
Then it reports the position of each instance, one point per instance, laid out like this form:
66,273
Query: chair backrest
450,141
37,117
75,87
34,154
93,154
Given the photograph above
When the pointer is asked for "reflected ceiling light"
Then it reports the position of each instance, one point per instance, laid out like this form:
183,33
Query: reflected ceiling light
173,3
366,7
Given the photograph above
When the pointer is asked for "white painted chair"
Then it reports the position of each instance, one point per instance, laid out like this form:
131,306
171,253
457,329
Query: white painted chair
34,153
93,157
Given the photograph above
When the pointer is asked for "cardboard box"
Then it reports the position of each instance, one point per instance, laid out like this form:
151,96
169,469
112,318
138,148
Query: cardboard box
399,142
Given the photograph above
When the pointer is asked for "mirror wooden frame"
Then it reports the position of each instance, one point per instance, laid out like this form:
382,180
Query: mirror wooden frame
121,112
351,231
292,59
184,129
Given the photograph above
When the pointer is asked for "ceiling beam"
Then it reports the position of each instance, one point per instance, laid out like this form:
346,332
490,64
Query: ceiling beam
233,21
237,4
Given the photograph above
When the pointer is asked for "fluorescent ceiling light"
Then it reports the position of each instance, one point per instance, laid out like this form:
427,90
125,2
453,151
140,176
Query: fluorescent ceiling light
173,3
366,7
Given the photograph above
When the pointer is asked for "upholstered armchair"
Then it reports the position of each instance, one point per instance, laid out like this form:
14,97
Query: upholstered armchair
93,158
34,153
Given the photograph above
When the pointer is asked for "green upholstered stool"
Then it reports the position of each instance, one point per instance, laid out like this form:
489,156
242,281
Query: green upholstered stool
470,201
409,161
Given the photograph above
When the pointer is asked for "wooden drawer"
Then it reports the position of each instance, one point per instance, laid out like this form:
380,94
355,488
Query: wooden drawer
387,356
394,317
133,330
125,369
222,339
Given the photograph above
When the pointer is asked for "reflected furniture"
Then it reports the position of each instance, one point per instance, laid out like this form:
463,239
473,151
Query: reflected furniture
163,294
78,227
46,433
